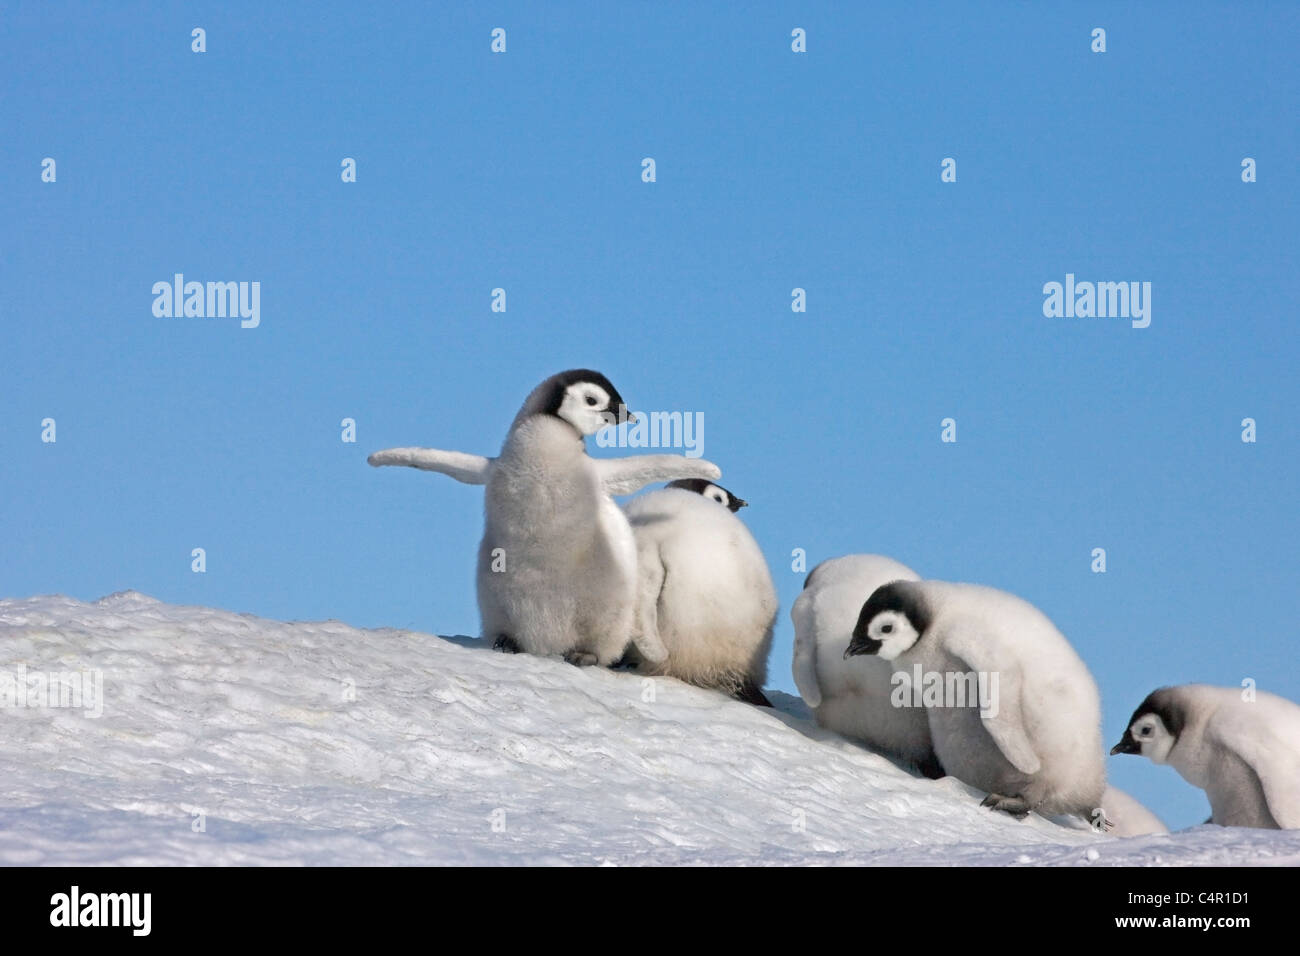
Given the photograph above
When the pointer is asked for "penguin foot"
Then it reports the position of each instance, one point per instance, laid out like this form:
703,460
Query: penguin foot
506,645
581,658
1018,807
931,768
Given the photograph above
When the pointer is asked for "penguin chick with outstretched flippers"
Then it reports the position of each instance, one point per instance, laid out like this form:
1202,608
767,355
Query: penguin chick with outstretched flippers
557,562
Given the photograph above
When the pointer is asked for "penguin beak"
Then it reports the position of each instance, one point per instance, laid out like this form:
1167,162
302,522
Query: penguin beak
1126,745
741,503
618,414
619,410
862,645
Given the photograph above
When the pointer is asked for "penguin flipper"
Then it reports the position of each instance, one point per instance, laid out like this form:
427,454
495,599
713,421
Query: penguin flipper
1004,721
650,647
804,664
751,693
625,476
470,469
1013,743
645,629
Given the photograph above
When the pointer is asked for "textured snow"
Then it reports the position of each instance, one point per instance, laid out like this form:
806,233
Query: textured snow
447,752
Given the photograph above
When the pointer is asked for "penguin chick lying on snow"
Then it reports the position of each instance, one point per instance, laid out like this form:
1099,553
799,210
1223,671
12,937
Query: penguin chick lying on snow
1244,753
557,562
705,600
1035,743
852,695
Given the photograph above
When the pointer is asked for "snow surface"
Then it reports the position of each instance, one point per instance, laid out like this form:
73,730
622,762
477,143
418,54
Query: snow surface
447,752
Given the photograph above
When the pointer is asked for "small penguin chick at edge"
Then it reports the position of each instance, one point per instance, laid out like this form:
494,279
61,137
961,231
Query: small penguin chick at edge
706,604
1242,747
852,696
1121,815
1031,737
557,562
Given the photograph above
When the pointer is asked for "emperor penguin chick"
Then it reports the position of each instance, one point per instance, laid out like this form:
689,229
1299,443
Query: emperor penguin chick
1243,751
557,562
1020,716
852,695
705,603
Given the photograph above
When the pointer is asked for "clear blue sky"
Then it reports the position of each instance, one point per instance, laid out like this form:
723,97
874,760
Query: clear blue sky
775,170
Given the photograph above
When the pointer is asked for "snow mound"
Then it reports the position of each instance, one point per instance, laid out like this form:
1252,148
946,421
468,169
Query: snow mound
230,739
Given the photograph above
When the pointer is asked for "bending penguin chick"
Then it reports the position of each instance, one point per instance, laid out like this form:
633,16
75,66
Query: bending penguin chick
705,600
1031,737
1245,754
851,695
557,562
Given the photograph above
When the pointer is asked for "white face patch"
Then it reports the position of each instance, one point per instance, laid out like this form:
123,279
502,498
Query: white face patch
586,407
894,632
717,494
1152,737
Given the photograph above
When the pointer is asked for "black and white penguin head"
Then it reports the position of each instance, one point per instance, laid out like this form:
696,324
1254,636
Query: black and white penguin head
702,486
582,397
1154,728
891,622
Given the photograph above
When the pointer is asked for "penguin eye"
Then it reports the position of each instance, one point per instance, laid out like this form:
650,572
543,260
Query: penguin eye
1145,731
886,629
591,399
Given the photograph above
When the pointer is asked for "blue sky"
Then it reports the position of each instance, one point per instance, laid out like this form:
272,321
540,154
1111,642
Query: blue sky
775,170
